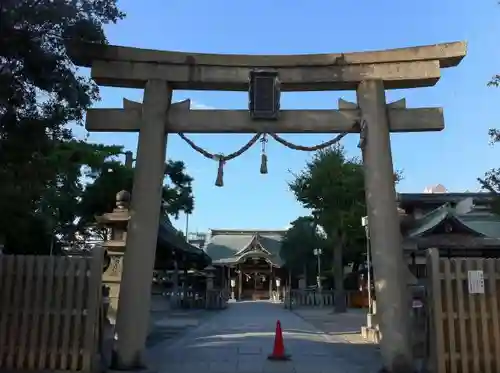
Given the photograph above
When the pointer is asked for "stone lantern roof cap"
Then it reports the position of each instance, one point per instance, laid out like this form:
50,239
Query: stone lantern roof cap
123,199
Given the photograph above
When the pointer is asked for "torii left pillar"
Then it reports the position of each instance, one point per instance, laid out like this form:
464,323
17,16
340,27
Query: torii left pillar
132,322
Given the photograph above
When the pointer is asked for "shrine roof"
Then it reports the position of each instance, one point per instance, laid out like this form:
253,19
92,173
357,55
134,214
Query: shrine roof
478,222
234,246
169,235
407,200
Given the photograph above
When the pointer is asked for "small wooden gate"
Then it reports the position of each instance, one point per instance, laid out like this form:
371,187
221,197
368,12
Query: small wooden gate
464,303
49,312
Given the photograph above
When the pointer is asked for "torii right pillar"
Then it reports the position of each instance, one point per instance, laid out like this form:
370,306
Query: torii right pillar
383,222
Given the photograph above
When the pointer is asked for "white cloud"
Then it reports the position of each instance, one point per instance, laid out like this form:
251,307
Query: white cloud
197,106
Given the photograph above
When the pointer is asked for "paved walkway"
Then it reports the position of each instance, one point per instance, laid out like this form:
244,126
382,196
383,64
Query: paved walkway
346,326
170,325
240,338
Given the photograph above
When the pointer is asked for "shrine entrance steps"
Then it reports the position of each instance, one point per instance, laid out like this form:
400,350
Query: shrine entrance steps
240,339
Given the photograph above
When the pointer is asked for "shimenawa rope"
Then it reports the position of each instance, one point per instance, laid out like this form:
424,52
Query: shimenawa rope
222,159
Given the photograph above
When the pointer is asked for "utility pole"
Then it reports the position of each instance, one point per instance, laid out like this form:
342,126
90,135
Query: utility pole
317,253
187,226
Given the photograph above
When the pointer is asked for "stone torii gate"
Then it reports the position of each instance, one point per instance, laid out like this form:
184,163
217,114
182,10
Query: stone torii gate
369,73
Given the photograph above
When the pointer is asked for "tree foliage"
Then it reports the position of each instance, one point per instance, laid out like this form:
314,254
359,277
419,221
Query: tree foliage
298,245
60,204
112,176
491,180
43,166
40,94
332,185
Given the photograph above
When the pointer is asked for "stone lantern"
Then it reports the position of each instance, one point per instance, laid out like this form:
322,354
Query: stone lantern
211,299
209,274
116,223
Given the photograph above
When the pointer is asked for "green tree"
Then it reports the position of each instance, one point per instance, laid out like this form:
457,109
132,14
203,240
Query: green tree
38,228
40,95
112,176
298,245
491,180
332,185
59,207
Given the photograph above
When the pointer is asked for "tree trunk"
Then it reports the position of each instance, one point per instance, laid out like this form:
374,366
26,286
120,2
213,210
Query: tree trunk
338,271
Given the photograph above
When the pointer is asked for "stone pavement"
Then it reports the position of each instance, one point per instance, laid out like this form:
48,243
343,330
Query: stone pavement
169,326
346,326
166,325
240,338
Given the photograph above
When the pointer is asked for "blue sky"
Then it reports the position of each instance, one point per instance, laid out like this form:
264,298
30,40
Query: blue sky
453,157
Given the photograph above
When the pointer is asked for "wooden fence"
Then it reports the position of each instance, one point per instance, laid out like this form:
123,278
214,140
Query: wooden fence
309,298
316,298
49,312
464,303
214,299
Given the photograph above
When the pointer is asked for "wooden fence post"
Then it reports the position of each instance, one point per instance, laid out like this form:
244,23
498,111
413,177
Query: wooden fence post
436,309
90,341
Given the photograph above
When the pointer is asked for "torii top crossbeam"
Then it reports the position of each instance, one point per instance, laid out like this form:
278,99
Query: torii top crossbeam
412,67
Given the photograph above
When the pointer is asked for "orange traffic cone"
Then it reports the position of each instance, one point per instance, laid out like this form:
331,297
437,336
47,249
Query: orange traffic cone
279,347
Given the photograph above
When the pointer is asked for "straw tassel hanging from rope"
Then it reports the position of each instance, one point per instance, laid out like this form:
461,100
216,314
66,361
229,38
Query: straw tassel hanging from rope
220,171
263,157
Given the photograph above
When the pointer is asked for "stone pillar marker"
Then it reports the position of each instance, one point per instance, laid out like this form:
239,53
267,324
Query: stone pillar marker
390,282
135,295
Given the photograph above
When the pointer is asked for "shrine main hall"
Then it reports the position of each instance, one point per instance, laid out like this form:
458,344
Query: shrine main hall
248,260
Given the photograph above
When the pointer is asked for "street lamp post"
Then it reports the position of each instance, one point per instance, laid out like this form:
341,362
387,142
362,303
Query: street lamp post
317,253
